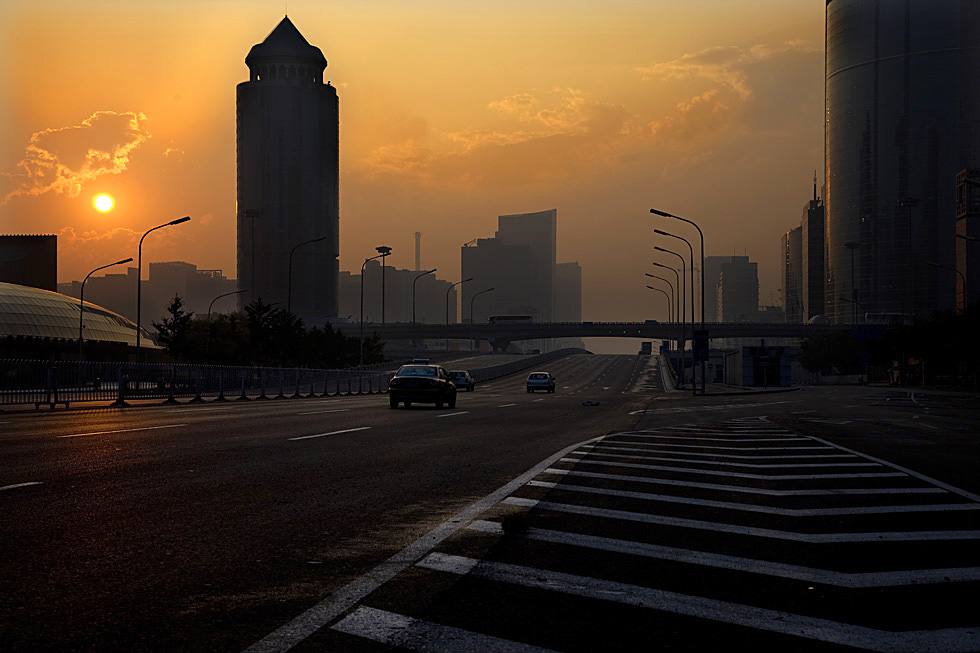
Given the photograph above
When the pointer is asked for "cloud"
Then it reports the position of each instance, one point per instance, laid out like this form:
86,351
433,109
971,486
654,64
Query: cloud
63,159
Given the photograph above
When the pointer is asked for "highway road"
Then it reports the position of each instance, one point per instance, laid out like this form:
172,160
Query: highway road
609,515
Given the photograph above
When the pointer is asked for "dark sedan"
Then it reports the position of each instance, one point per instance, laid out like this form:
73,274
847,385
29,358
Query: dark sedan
462,379
422,383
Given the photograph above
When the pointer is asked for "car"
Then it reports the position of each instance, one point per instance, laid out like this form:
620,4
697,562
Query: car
540,381
462,380
423,383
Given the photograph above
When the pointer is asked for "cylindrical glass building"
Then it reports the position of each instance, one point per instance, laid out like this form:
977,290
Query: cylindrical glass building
902,119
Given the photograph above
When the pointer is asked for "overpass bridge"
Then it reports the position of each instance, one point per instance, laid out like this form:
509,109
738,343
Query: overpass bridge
499,335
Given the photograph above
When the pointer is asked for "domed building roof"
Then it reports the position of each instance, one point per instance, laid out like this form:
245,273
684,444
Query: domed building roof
34,313
285,45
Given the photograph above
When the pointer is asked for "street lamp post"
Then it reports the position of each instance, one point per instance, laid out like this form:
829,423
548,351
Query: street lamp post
670,301
694,384
360,338
701,235
289,291
417,277
139,275
472,299
210,306
383,251
962,277
449,290
672,290
81,300
678,280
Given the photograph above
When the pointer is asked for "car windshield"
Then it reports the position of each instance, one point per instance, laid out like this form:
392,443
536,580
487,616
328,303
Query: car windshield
417,370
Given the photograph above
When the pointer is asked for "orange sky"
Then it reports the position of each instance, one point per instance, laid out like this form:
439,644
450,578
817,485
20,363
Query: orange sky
451,113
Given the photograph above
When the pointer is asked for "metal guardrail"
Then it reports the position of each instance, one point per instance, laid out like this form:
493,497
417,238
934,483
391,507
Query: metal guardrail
66,382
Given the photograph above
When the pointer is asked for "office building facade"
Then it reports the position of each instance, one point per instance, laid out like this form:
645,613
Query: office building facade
902,120
288,178
791,248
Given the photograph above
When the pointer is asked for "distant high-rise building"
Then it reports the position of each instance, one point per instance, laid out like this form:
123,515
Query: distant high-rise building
538,231
812,261
710,281
967,235
30,261
738,290
288,178
902,120
791,247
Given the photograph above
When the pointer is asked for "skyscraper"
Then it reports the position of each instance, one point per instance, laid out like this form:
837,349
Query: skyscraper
288,178
902,120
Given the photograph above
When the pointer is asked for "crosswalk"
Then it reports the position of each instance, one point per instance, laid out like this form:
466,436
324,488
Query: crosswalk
687,537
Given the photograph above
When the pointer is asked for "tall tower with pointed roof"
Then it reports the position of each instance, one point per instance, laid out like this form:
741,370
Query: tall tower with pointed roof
288,178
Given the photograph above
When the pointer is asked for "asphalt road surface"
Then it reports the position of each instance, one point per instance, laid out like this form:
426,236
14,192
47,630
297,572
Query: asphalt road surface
611,515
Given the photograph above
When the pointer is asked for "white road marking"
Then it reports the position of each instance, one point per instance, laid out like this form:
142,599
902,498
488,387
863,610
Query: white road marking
332,410
750,565
17,485
729,440
323,435
506,405
145,428
709,472
297,630
748,507
715,446
820,456
946,639
462,412
725,464
405,632
748,490
810,538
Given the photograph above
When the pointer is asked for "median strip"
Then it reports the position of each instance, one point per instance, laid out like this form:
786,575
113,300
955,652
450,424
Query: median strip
323,435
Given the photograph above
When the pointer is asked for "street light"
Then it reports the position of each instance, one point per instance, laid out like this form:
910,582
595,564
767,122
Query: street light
360,338
289,291
694,384
448,290
383,251
139,275
473,298
417,277
672,290
81,300
670,303
210,306
701,235
679,291
962,277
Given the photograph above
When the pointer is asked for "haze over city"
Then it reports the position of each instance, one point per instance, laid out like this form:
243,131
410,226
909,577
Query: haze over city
450,115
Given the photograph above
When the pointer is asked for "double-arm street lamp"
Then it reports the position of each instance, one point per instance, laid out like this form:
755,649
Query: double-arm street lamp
360,338
289,291
701,235
81,299
139,275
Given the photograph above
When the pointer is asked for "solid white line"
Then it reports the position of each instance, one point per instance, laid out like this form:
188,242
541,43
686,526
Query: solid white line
711,472
724,464
729,440
822,456
749,507
811,538
705,447
462,412
346,597
947,639
332,410
506,405
750,565
748,490
17,485
145,428
321,435
405,632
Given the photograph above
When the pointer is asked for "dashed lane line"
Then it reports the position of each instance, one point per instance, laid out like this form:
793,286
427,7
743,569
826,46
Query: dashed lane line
506,405
17,485
952,640
332,410
736,563
323,435
752,531
462,412
145,428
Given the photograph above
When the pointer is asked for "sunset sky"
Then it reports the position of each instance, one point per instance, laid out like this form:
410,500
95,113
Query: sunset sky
452,113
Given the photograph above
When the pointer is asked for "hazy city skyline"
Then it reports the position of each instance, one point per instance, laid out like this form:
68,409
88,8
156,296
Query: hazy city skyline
600,110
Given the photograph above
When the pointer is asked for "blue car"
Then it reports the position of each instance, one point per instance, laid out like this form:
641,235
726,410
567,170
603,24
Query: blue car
540,381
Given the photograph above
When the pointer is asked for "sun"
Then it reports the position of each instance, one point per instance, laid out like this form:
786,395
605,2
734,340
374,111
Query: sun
103,203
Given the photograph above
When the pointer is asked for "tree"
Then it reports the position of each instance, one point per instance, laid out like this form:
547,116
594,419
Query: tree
174,328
